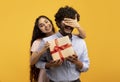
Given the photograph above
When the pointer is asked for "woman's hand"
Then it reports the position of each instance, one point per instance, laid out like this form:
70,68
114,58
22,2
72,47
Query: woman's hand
71,22
46,46
74,24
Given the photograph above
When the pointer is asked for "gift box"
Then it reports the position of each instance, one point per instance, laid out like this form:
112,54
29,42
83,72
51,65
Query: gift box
61,48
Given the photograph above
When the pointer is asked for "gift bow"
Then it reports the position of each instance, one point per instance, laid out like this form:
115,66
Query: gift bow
59,48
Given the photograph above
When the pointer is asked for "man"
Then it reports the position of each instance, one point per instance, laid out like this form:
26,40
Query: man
68,70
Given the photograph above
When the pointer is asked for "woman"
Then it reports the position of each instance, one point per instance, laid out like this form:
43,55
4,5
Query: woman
43,28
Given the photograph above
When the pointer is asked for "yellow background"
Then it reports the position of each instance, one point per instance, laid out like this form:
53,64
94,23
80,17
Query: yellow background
100,19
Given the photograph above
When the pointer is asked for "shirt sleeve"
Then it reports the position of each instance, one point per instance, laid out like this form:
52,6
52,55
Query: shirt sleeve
85,59
35,45
41,63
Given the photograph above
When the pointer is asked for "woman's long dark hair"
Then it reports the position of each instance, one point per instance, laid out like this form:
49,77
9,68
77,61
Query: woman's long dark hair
37,34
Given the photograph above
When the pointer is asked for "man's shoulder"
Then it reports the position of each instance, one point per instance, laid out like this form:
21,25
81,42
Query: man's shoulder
77,38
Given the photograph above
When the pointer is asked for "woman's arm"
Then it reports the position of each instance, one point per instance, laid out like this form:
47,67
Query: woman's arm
82,33
74,24
37,54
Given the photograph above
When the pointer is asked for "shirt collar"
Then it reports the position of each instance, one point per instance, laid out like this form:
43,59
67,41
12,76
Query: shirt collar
60,35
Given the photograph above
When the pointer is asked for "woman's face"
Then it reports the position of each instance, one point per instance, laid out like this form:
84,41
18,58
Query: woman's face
44,25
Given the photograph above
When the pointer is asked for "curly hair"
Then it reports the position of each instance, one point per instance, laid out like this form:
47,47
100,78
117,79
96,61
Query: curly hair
66,12
37,33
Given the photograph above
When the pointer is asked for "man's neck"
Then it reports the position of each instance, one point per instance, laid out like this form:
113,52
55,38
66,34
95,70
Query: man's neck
64,34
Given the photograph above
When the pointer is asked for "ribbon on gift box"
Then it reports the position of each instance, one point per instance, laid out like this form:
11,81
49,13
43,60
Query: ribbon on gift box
58,48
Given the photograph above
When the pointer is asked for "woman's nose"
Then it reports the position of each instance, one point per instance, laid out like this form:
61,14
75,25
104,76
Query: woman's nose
45,25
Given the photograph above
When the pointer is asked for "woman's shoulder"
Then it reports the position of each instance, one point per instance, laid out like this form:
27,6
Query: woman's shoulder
35,45
37,41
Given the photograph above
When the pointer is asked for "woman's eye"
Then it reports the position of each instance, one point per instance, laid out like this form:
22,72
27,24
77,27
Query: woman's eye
41,25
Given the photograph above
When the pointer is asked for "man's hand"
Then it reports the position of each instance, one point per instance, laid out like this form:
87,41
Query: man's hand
54,63
74,60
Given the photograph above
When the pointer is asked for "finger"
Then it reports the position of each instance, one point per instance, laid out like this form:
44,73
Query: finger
60,62
69,24
47,44
75,55
68,19
75,16
70,58
57,61
52,61
75,59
